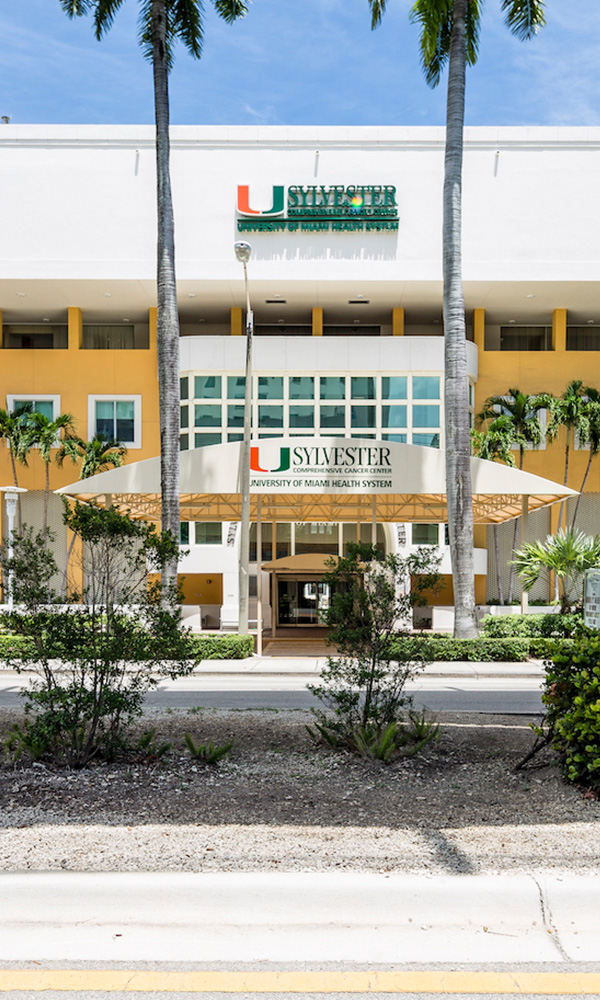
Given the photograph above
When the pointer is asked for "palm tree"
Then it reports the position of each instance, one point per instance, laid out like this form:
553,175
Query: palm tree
521,411
45,435
162,23
495,444
96,455
15,430
588,433
567,411
567,554
450,35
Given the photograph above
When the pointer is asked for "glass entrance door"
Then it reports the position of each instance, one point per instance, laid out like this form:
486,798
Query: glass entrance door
302,602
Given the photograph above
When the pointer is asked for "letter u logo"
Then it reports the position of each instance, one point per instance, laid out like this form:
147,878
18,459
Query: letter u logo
284,461
243,202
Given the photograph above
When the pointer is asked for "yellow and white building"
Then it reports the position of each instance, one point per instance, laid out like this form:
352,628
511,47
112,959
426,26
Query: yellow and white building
345,283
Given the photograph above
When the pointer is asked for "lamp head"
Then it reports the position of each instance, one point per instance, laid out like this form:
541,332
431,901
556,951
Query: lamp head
243,251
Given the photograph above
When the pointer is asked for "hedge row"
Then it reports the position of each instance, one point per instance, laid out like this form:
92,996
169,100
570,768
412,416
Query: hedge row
531,626
432,648
208,647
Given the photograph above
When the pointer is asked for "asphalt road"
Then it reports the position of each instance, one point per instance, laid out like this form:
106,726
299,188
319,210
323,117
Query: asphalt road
489,695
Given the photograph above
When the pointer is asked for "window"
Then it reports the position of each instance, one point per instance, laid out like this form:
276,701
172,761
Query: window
184,387
427,440
333,387
184,417
270,416
426,416
207,386
362,387
208,533
26,336
302,387
236,386
207,415
105,337
302,416
270,387
333,416
393,387
393,416
184,532
362,416
202,440
425,534
48,406
426,387
116,417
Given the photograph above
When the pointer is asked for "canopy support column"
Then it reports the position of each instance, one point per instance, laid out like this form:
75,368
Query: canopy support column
259,635
524,521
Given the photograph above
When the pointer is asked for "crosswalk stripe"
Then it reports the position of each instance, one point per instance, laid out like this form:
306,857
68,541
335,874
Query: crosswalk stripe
333,981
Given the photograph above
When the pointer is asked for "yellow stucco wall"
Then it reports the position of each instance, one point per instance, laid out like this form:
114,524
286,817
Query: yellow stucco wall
75,374
541,371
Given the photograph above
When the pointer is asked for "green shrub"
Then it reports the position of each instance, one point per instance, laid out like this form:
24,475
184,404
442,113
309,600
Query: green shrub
546,626
223,647
543,648
446,648
572,698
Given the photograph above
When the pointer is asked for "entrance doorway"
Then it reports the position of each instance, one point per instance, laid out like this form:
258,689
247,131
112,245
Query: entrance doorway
302,602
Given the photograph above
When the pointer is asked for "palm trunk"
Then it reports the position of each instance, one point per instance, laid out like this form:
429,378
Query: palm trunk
16,482
167,316
587,472
563,506
458,450
511,578
497,558
46,498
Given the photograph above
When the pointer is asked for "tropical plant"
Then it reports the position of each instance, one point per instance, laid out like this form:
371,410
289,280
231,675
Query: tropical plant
450,36
494,444
45,435
372,598
520,417
96,455
95,662
567,554
209,753
588,433
567,411
15,430
162,24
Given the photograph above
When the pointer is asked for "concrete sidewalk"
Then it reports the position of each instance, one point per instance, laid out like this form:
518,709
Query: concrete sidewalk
312,666
301,917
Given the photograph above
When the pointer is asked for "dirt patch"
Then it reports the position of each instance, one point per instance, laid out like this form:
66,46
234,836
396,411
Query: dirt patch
280,802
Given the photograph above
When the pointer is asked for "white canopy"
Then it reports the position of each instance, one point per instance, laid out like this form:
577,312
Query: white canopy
320,479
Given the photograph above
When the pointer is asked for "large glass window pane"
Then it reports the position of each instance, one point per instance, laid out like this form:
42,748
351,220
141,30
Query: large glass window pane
184,418
184,532
333,387
45,407
333,416
393,416
302,387
202,440
401,438
208,533
426,416
236,386
270,387
207,386
207,415
184,442
235,437
105,418
362,416
426,386
427,440
184,387
125,420
235,416
362,387
393,387
302,416
425,534
270,416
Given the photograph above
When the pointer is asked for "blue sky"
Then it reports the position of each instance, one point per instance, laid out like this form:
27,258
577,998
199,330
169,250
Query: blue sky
296,62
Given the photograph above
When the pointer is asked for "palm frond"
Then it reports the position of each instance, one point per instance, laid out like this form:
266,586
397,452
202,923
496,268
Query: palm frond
76,8
524,18
104,15
231,10
186,24
377,8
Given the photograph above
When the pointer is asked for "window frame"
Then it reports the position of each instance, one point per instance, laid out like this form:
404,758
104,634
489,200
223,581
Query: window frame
136,444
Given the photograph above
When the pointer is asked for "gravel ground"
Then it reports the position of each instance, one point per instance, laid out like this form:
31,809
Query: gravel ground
280,804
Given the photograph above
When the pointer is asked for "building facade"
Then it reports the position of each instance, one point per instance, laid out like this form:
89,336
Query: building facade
345,283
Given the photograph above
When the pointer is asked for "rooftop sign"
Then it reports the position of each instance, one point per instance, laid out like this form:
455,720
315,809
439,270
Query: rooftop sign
316,208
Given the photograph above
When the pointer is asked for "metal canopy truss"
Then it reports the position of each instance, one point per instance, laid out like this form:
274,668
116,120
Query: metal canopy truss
323,508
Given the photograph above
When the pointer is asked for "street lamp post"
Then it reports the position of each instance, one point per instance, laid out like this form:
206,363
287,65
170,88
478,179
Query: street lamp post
243,251
11,495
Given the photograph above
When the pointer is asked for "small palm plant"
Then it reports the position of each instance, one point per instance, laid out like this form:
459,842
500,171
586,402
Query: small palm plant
567,554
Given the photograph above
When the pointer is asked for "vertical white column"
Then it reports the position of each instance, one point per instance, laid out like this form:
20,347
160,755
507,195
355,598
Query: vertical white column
259,636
